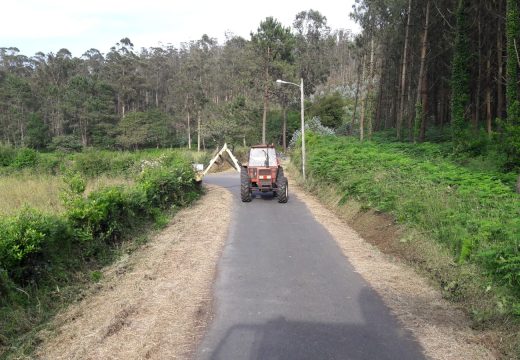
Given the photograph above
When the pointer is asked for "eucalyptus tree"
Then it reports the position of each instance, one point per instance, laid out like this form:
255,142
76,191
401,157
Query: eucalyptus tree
121,72
272,43
312,48
52,73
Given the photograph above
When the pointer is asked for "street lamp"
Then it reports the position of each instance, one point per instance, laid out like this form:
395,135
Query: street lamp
303,125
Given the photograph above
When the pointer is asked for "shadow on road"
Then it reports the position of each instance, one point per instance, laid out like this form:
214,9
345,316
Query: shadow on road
280,338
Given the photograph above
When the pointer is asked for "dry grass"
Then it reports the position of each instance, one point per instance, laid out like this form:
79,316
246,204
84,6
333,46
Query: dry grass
443,330
102,181
42,192
154,303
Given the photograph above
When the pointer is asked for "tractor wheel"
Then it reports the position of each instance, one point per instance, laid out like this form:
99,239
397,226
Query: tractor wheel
283,191
280,174
245,191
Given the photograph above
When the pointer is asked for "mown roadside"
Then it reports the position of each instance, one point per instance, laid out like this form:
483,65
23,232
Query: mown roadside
47,259
154,303
455,226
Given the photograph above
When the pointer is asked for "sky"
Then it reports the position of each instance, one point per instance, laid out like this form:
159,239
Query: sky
50,25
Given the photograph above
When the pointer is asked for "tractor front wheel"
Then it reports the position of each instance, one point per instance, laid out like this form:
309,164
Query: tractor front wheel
245,190
283,191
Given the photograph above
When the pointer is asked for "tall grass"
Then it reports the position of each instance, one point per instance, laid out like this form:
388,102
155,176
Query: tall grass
43,192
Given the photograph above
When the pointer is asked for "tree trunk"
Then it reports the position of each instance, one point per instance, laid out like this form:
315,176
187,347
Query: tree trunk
421,88
403,73
488,96
500,62
284,128
266,100
410,103
378,123
363,99
369,94
357,93
424,118
157,92
198,131
476,118
189,131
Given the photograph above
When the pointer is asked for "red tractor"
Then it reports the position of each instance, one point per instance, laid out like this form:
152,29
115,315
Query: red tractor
263,172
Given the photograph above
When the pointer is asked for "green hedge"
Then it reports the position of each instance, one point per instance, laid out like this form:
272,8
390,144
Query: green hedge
102,215
476,214
40,252
90,163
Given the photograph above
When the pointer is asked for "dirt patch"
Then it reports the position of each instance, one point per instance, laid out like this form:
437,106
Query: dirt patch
443,330
378,229
154,303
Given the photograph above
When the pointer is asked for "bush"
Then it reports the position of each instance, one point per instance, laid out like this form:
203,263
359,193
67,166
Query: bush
92,163
25,237
7,155
25,158
313,125
66,143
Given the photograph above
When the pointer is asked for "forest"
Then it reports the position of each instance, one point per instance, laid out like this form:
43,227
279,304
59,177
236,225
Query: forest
416,116
430,70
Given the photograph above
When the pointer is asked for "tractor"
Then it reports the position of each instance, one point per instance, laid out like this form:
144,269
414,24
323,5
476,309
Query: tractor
263,172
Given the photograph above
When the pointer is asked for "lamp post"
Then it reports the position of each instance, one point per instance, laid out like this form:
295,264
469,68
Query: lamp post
302,120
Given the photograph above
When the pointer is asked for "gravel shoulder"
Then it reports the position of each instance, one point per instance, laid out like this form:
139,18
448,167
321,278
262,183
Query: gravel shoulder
154,303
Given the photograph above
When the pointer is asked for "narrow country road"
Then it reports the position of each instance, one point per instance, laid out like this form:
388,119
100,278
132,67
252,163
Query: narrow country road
284,290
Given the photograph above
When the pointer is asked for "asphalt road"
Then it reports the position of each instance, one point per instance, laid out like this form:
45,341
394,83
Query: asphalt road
284,290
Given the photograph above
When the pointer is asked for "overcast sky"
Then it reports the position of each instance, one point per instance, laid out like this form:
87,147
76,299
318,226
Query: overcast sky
49,25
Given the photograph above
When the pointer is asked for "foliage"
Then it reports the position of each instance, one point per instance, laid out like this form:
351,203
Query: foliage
37,132
66,143
313,125
460,79
144,129
512,143
25,157
7,155
40,252
475,214
330,110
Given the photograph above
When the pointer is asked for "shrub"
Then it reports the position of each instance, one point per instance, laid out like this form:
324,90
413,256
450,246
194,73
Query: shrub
25,237
7,155
25,158
66,143
92,163
315,126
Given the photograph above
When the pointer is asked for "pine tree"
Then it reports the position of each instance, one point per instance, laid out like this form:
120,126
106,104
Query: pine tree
460,79
513,104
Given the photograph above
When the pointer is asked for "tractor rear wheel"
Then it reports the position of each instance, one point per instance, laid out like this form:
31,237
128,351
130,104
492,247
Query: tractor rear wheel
245,190
283,191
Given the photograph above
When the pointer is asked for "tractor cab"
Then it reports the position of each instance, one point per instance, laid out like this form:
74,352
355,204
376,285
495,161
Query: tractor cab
263,172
